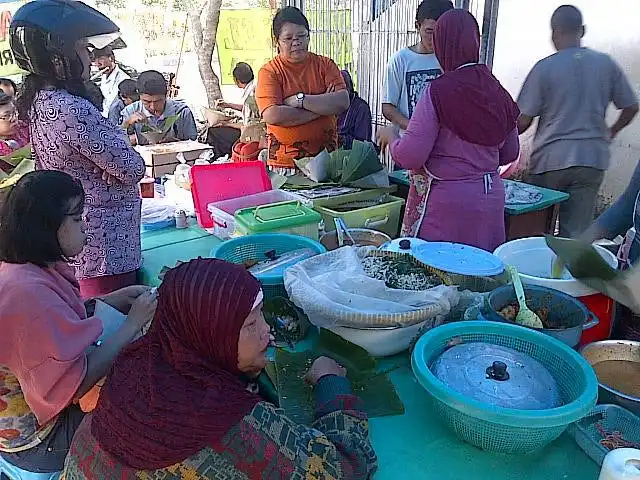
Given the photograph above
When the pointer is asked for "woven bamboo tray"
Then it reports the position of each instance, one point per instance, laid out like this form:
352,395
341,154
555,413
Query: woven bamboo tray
390,320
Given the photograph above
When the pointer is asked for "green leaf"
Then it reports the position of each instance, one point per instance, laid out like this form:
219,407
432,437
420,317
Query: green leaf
18,155
361,162
167,125
23,168
336,164
373,387
583,261
169,122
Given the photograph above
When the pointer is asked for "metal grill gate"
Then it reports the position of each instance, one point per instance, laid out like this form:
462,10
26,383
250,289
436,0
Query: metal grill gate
361,35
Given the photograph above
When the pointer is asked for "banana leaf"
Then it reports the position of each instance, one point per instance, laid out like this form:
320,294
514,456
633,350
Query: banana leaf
155,134
296,396
18,155
25,166
361,162
167,125
336,164
586,264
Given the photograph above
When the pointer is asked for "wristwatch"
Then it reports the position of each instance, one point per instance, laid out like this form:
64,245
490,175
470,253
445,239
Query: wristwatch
300,99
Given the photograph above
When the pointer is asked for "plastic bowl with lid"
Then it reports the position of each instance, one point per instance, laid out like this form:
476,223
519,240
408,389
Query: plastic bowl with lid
497,428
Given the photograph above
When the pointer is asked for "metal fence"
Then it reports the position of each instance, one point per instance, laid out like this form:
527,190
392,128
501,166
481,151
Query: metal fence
362,35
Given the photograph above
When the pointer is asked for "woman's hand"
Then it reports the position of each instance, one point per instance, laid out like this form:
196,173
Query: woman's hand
108,179
386,136
123,299
322,367
143,309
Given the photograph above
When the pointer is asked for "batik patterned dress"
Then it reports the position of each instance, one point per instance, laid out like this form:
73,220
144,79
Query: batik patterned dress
69,134
265,445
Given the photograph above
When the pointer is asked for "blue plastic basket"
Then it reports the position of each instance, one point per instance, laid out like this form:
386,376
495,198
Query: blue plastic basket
612,418
253,247
499,429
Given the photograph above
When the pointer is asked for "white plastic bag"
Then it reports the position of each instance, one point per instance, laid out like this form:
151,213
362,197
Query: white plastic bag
156,210
333,289
315,168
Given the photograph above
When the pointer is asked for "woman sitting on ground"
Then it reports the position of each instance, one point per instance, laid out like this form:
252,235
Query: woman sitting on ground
181,402
50,353
14,133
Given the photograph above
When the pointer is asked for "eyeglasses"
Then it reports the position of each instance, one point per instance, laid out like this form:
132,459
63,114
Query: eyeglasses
9,116
303,37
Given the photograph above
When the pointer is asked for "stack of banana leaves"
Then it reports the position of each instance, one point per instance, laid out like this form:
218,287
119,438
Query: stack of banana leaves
15,166
359,167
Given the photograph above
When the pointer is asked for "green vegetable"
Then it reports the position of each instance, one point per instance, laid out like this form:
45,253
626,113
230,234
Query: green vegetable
23,168
296,397
18,155
167,125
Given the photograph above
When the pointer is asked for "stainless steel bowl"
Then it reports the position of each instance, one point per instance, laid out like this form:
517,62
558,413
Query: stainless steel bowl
362,237
626,350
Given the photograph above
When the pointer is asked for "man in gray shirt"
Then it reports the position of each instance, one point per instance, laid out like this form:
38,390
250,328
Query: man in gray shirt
569,92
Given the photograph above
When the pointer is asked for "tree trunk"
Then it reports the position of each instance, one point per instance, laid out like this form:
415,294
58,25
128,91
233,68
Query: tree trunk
204,26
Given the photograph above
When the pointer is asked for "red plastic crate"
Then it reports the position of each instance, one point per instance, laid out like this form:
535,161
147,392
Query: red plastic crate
214,183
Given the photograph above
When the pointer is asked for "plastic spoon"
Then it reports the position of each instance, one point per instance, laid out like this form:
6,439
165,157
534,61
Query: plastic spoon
526,317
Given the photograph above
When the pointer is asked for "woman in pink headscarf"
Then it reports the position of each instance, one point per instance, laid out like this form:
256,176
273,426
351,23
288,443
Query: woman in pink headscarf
463,129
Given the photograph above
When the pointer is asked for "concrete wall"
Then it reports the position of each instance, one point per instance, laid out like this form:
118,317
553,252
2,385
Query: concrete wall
524,37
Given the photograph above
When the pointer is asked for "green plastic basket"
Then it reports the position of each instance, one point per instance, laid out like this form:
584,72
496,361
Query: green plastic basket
252,247
499,429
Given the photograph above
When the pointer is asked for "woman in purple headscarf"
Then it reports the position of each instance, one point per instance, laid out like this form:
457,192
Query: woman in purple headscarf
355,123
463,129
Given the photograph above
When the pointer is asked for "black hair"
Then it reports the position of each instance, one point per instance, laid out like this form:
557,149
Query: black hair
567,19
32,214
95,95
152,82
11,83
243,73
128,89
288,15
34,83
432,10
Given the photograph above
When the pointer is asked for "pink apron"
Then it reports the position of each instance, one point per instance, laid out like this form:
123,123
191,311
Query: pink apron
420,183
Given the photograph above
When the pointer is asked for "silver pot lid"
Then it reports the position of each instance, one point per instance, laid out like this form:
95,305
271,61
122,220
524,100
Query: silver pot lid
498,376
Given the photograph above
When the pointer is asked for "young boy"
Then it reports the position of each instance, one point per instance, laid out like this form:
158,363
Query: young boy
411,69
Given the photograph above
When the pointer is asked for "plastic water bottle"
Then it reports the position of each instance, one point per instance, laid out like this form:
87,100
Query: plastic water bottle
621,464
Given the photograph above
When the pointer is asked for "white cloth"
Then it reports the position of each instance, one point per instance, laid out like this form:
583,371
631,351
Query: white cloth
109,87
248,92
408,74
334,290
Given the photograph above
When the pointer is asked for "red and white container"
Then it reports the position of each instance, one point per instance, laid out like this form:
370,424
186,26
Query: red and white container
533,259
217,182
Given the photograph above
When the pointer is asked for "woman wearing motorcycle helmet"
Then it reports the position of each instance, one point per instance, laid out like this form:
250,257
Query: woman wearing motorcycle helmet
51,39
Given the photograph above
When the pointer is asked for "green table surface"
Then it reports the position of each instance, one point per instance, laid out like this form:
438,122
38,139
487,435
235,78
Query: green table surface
549,197
165,247
414,445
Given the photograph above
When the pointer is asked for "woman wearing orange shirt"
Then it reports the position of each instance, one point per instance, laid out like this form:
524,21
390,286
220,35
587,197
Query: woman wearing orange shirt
299,95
